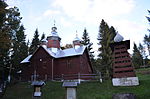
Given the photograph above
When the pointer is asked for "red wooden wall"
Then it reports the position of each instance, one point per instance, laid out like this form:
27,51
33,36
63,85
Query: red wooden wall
43,63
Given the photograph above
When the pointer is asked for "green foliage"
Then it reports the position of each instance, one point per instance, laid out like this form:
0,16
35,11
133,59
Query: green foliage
66,46
20,48
105,37
142,50
5,41
148,18
147,42
137,58
147,37
85,90
86,42
12,39
35,42
43,36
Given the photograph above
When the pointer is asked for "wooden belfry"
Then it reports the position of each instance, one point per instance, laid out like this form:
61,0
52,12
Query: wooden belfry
123,71
122,64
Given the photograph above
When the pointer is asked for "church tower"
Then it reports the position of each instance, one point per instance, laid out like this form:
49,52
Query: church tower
76,41
123,71
53,40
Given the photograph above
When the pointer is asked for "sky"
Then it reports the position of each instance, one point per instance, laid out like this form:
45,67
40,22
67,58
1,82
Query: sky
126,16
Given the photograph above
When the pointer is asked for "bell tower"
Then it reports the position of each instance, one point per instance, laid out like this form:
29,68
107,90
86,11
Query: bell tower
123,71
76,41
53,40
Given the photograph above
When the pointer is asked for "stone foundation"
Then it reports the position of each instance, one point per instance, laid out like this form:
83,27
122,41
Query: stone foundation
126,81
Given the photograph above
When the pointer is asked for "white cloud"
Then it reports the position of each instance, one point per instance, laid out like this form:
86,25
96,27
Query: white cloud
48,13
64,22
92,10
12,3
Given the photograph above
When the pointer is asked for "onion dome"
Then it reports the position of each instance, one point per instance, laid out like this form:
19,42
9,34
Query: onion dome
54,32
118,38
76,38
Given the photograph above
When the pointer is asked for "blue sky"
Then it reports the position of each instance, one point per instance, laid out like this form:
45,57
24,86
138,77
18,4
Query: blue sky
127,16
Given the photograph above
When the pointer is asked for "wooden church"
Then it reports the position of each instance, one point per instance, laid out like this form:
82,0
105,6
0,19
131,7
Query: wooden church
50,62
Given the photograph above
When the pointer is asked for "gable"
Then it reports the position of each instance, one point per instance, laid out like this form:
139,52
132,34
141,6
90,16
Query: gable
86,55
40,53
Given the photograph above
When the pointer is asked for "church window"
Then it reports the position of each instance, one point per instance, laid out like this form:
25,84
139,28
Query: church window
40,59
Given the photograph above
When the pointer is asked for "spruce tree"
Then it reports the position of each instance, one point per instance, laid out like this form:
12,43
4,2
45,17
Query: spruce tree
43,36
148,18
105,37
5,41
112,34
147,37
35,42
86,42
137,58
14,22
142,50
147,42
20,48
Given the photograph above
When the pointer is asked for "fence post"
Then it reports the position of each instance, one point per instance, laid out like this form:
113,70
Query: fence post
79,78
100,77
62,77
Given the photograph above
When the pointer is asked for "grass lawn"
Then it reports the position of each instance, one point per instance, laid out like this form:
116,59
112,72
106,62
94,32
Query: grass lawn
86,90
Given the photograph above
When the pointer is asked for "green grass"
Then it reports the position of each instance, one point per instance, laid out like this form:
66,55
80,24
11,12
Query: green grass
86,90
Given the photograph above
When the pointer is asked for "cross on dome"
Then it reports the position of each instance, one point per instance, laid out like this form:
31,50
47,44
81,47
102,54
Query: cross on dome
54,30
77,38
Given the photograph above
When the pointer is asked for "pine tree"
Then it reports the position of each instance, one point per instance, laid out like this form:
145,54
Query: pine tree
147,42
147,37
43,36
14,21
86,42
142,50
143,53
20,48
35,42
105,37
148,18
5,41
137,58
112,34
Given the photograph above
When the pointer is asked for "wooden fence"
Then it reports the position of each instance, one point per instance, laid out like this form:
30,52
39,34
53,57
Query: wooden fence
83,77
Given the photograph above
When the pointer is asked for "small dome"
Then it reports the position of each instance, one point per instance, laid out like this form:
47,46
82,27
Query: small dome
54,32
118,38
76,38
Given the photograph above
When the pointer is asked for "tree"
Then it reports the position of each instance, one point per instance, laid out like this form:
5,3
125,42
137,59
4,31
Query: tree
35,42
147,37
112,34
105,37
67,46
147,42
43,36
137,58
5,41
86,42
148,18
20,48
14,23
